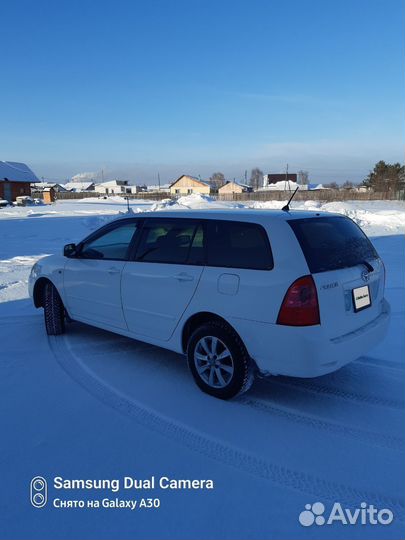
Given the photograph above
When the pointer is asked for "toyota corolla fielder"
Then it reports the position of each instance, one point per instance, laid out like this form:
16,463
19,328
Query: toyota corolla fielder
239,292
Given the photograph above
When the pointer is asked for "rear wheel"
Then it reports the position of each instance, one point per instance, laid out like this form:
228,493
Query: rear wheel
219,361
54,311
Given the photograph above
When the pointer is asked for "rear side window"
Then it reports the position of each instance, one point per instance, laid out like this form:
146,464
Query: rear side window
330,243
174,241
238,245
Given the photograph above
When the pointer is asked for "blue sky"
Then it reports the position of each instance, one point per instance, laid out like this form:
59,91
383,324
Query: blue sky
136,87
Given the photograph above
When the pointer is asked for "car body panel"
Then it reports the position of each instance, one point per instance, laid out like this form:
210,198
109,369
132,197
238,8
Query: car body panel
155,296
92,291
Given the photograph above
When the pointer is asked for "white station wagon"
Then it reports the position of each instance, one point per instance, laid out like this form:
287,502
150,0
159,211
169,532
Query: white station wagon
240,292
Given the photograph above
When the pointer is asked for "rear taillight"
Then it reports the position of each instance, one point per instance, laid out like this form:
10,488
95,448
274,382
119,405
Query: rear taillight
300,306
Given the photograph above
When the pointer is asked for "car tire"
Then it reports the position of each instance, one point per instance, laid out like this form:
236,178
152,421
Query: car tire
54,311
219,361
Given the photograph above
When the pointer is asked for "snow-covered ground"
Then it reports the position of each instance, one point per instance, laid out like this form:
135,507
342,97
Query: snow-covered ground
92,404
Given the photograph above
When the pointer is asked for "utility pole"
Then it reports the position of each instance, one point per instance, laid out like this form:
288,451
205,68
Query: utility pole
287,180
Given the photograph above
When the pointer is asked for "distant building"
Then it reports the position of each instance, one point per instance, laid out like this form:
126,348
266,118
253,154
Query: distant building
186,185
78,187
15,180
269,179
284,186
234,187
115,187
41,186
140,188
49,195
163,188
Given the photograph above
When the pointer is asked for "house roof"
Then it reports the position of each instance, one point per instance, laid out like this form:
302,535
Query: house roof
16,172
78,185
245,186
113,183
202,182
44,185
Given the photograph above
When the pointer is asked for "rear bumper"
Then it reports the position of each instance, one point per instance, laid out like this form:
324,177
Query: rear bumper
306,351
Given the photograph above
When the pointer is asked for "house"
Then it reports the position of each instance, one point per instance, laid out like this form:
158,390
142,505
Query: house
186,185
41,186
15,180
269,179
234,187
283,186
163,188
78,187
115,187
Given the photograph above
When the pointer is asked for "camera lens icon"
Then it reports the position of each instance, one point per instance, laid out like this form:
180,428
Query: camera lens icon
38,492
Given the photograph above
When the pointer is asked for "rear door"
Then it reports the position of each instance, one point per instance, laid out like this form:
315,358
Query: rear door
159,284
348,273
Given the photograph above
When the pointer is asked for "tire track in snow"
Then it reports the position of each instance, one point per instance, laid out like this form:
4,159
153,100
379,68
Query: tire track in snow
378,363
214,448
368,437
332,391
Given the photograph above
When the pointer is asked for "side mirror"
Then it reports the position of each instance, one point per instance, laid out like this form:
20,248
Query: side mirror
69,250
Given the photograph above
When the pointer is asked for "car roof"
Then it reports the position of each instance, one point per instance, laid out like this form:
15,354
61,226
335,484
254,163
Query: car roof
235,214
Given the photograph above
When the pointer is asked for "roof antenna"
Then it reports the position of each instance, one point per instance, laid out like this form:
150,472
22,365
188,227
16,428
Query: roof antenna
286,208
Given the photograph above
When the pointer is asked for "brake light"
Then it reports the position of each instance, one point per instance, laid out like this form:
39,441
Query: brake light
300,306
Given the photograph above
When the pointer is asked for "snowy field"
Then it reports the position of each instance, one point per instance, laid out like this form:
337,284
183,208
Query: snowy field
91,404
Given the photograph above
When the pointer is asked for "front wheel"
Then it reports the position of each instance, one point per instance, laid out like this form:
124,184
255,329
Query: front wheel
54,311
219,361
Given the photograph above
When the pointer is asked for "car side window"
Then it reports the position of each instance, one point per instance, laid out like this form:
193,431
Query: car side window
238,245
197,249
172,241
113,244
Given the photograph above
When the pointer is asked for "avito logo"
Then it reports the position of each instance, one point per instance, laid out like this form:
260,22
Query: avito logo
367,514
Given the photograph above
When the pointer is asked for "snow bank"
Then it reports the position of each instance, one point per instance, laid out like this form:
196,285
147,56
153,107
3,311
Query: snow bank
196,201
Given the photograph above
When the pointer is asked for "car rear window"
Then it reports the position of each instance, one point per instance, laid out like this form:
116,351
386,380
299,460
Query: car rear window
330,243
238,245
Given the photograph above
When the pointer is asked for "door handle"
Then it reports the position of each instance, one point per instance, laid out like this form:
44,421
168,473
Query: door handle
184,277
114,270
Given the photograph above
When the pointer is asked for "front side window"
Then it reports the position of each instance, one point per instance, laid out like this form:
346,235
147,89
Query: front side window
113,244
175,241
238,245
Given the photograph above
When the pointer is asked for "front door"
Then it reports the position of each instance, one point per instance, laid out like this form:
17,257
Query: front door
157,287
92,280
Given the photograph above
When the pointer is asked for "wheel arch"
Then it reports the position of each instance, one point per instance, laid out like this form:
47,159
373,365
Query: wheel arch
38,292
198,319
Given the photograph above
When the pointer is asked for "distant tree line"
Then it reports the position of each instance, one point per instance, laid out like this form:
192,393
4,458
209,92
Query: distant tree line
384,177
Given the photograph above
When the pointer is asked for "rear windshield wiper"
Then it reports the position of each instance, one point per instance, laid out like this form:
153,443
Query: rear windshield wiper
367,265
